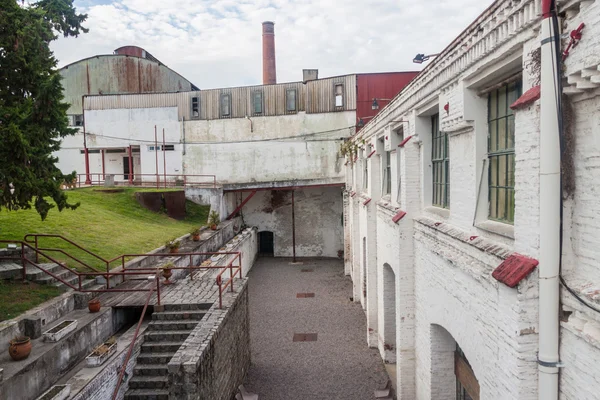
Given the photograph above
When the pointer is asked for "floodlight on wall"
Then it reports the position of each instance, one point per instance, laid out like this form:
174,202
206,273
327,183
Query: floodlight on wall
375,105
361,121
421,58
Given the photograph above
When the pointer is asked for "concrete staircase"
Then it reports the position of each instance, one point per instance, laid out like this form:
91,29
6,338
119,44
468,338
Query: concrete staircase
38,276
165,334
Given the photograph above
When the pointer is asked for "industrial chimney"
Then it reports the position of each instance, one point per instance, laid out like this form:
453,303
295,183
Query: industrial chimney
268,42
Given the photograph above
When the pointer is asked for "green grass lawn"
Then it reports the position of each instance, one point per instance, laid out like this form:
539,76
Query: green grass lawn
16,298
109,224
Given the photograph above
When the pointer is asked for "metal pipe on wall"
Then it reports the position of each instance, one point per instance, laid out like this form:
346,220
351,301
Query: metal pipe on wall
164,159
130,165
550,195
156,152
293,227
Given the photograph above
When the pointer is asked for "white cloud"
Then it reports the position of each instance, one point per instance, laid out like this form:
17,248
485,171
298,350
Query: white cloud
217,43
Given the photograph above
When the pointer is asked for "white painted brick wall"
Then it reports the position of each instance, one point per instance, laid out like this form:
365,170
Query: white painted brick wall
453,296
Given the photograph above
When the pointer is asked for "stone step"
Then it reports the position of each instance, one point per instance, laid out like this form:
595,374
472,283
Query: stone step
154,358
149,382
91,284
64,274
10,270
161,347
151,370
147,394
34,273
178,315
167,336
172,325
188,307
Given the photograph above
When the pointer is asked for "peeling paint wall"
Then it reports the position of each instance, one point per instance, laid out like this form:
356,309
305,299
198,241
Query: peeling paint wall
318,212
291,147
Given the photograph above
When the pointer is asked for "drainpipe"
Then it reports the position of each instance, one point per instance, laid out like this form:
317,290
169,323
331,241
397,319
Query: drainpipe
293,228
550,195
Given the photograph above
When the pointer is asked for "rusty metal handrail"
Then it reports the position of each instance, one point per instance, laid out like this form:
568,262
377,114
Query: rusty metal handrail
132,345
82,180
36,237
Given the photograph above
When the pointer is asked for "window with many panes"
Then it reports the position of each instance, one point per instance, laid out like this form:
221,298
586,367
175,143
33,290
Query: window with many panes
501,152
388,173
257,102
290,100
440,164
225,105
195,107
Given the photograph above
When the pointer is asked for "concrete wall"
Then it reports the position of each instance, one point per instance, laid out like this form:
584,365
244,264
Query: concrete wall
318,214
119,128
215,358
278,148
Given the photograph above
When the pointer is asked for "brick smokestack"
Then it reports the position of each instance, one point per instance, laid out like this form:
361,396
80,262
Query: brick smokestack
268,42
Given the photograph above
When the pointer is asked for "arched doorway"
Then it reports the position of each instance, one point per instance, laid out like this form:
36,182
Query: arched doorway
447,356
389,314
265,244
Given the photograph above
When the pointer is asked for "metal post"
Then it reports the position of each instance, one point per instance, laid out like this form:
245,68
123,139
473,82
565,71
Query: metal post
293,228
157,289
191,269
156,152
23,261
103,170
88,181
231,274
130,165
164,159
37,256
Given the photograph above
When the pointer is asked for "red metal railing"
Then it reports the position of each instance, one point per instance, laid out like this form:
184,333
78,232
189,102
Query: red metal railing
151,180
132,345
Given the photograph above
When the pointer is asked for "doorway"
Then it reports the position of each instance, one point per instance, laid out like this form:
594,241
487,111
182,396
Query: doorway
265,243
126,170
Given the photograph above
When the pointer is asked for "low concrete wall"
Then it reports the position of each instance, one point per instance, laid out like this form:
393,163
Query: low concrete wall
212,197
102,385
27,379
215,358
246,242
211,242
42,315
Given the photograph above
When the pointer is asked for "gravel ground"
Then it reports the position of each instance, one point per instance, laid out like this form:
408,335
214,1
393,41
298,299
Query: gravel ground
339,365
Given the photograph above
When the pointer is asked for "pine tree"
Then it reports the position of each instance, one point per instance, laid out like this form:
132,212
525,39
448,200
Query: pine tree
33,117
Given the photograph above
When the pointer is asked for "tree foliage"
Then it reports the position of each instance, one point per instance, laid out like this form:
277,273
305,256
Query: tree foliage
33,117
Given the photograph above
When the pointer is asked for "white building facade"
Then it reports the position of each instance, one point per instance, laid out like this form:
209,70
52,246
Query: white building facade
443,188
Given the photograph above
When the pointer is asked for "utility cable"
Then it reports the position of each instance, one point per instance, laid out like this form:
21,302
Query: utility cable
558,102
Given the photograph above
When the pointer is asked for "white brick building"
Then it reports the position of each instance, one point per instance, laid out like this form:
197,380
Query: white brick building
465,169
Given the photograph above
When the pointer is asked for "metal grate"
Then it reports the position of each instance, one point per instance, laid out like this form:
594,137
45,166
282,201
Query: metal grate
305,337
304,295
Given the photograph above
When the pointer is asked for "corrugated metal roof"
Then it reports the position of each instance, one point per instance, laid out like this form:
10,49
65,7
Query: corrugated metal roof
117,74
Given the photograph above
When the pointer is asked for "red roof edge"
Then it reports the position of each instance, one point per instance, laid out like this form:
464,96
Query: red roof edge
370,154
514,269
398,216
405,141
527,98
366,202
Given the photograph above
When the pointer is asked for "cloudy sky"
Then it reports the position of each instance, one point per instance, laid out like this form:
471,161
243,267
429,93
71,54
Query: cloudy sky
217,43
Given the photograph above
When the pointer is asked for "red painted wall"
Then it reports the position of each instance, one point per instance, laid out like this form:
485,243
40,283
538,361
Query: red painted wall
384,85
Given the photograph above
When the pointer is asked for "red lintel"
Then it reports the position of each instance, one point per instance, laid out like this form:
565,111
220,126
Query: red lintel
527,98
370,154
366,202
514,269
405,141
398,216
